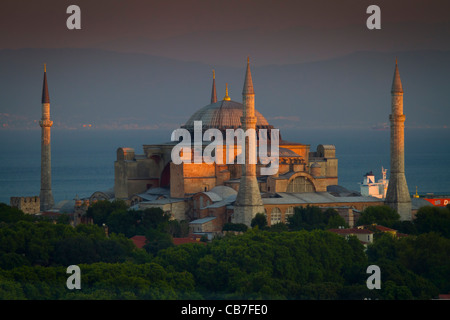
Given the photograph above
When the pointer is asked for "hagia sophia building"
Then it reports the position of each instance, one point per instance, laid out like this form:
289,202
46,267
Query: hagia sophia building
208,195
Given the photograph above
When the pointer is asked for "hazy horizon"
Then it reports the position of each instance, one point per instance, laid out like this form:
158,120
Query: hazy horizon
113,90
148,64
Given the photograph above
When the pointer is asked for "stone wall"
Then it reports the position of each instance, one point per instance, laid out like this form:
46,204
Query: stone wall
29,205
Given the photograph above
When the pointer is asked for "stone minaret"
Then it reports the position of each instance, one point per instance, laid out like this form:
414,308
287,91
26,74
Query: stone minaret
213,91
46,196
248,201
397,196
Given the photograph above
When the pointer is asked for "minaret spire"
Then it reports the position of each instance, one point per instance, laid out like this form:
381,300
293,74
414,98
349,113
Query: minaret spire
46,196
248,82
397,196
45,95
397,83
248,200
226,98
213,91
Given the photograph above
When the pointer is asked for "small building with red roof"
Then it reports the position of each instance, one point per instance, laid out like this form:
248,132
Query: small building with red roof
140,241
363,235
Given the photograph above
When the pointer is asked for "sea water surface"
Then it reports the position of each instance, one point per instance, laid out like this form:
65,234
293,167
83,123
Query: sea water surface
83,160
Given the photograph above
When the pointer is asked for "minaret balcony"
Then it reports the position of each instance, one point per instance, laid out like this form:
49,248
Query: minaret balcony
45,123
397,117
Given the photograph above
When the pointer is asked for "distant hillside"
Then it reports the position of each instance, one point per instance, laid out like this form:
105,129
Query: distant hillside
108,89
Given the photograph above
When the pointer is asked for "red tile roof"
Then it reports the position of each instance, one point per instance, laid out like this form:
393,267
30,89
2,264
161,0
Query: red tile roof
178,241
383,228
50,214
139,241
351,231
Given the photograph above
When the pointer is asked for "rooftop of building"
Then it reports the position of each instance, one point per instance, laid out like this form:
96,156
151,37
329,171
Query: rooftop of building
351,231
203,220
315,198
140,241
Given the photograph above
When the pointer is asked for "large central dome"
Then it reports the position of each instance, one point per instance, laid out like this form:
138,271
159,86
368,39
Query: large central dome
222,115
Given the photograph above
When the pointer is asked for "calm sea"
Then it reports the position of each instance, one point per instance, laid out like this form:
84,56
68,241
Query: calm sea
83,160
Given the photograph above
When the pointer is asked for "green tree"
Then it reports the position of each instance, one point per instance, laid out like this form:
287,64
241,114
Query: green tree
433,219
420,263
10,290
100,210
427,255
382,215
239,227
9,214
157,240
392,291
278,227
181,258
178,229
155,218
122,221
63,218
12,260
76,250
334,220
406,227
259,220
307,218
385,247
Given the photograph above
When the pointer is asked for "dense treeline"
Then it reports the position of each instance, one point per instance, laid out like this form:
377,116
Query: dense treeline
311,218
273,265
426,255
46,244
119,219
299,260
98,281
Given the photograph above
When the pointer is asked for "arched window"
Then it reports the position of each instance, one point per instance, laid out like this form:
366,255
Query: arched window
275,216
300,184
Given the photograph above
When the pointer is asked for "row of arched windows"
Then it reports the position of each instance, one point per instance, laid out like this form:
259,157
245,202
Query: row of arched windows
275,215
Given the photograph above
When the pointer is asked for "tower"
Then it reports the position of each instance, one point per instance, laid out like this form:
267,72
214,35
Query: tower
248,200
213,90
45,195
397,196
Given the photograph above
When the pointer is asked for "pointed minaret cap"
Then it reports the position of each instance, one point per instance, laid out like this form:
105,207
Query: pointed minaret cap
248,83
213,92
45,96
396,83
226,98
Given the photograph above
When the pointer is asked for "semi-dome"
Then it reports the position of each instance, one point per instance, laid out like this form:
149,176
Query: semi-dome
224,191
222,115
